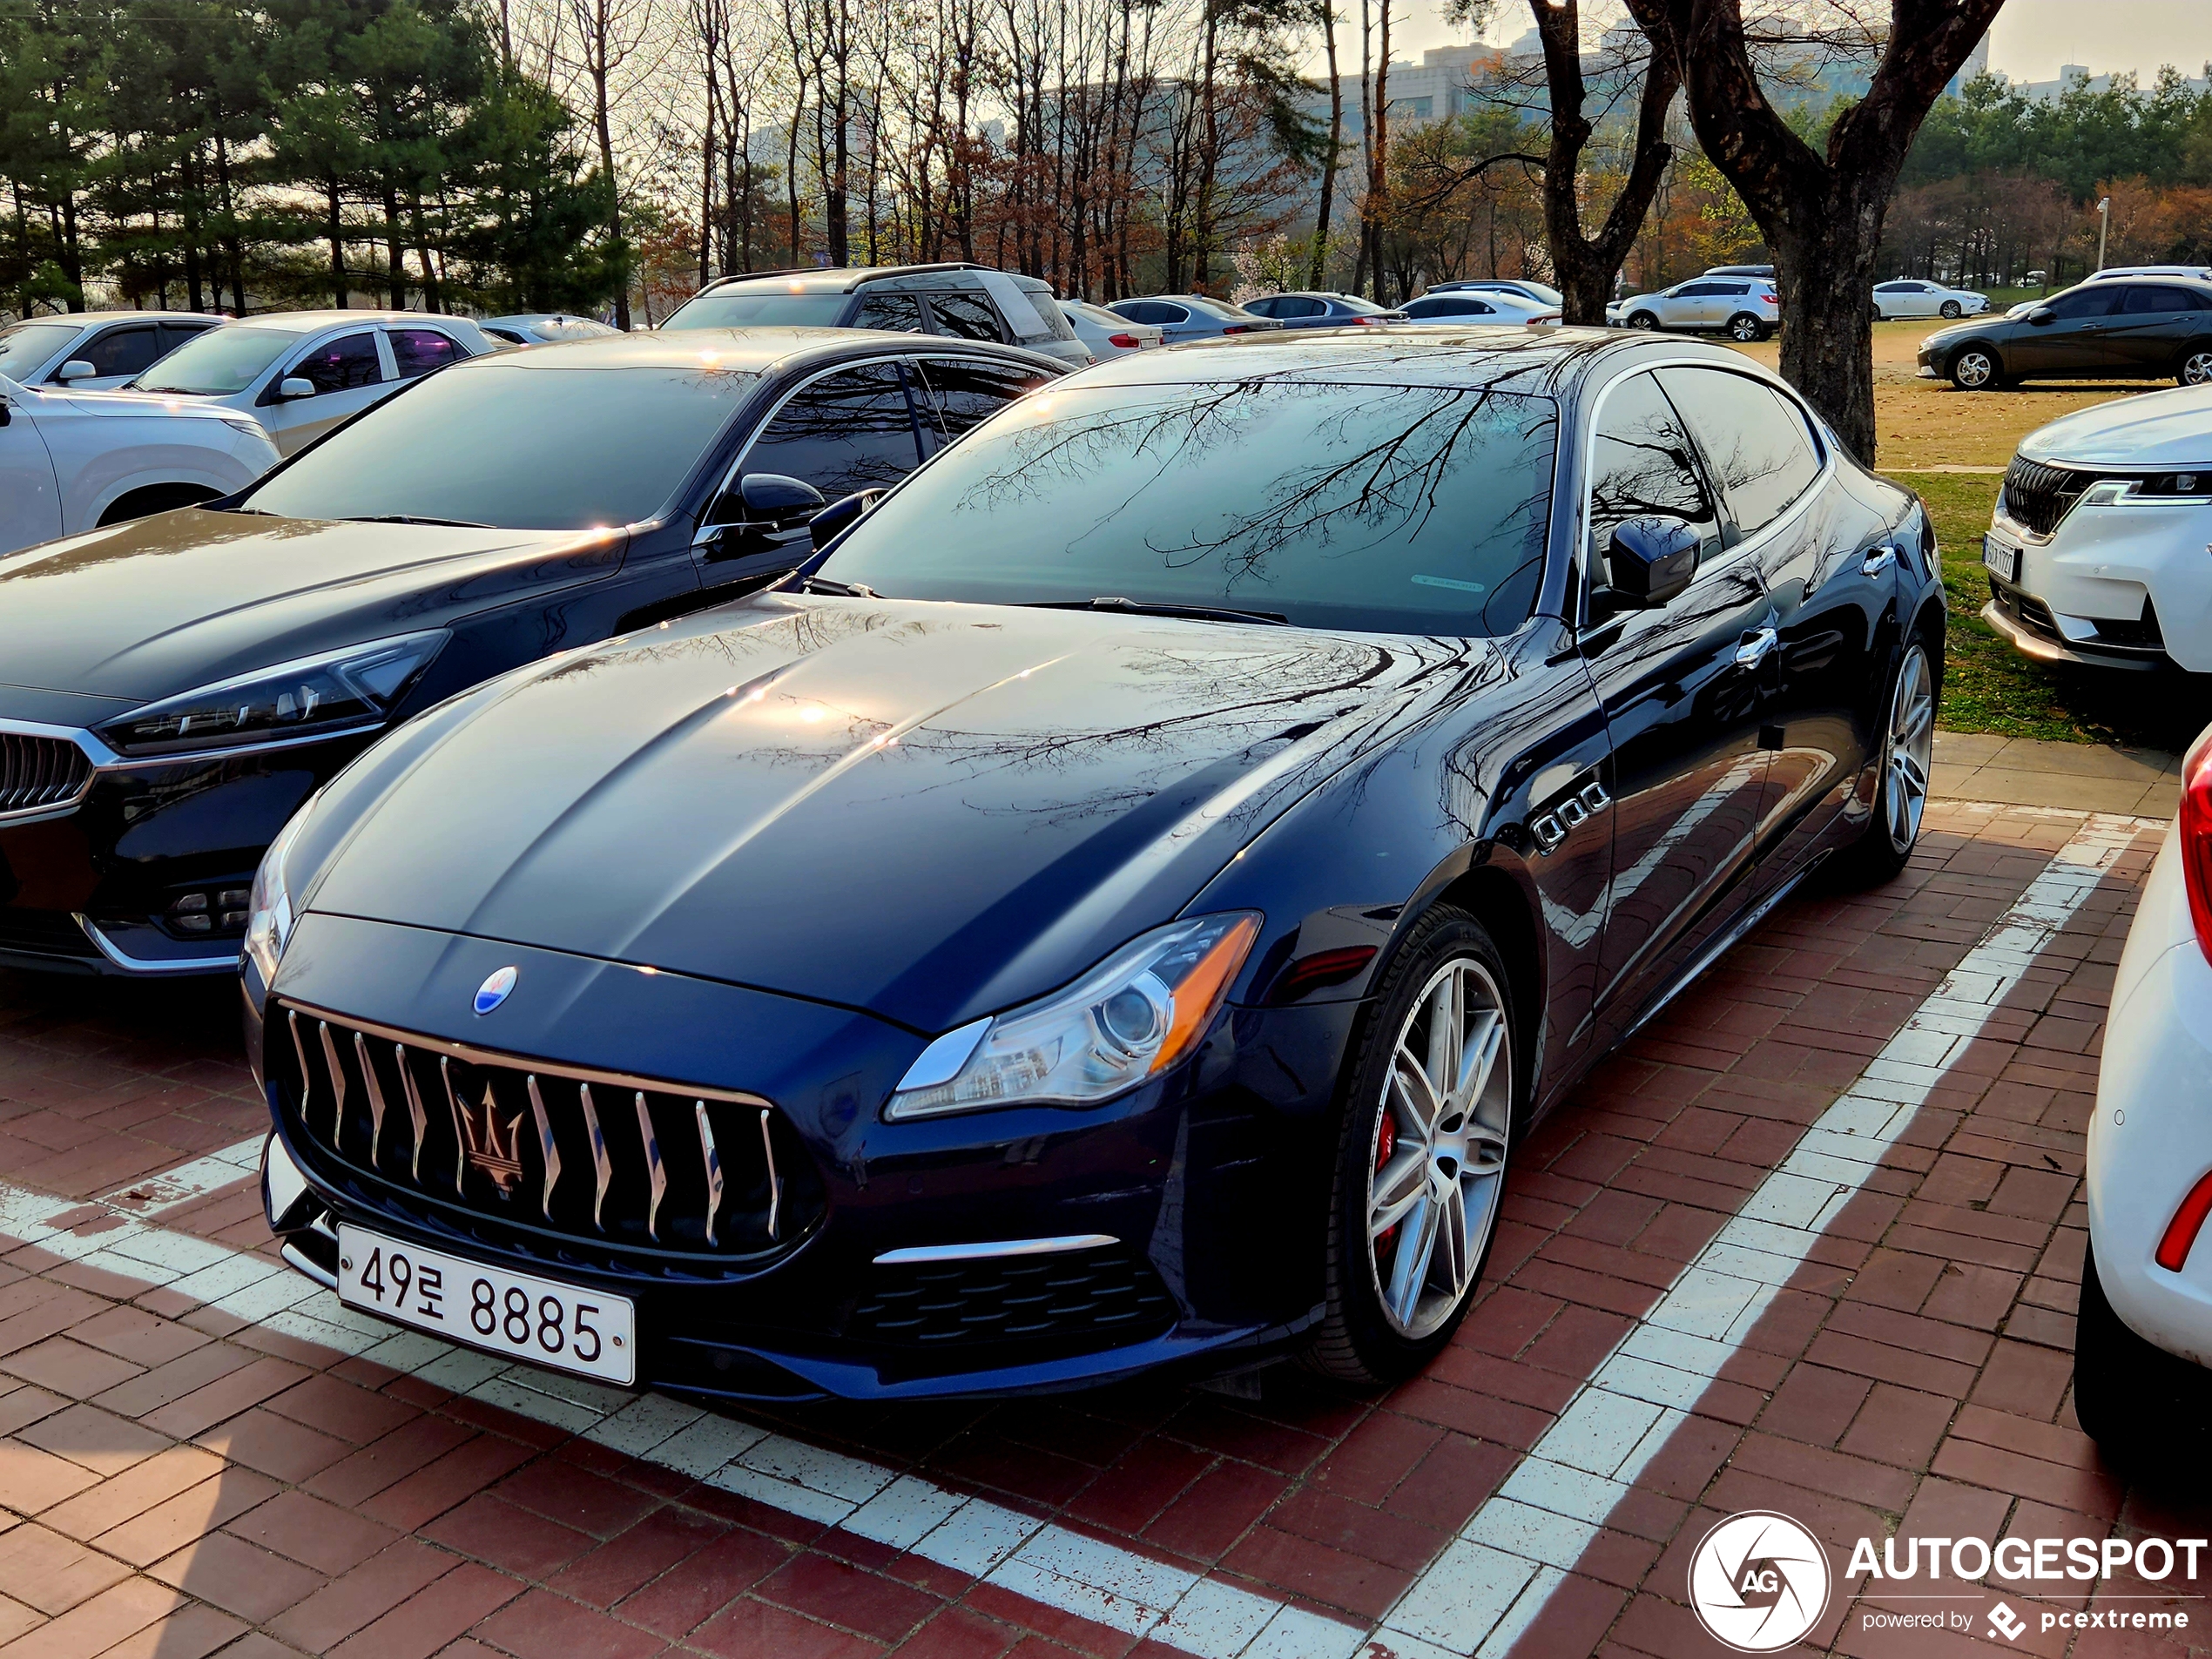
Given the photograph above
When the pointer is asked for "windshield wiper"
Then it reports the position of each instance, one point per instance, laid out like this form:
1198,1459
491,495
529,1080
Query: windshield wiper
1145,608
844,590
410,518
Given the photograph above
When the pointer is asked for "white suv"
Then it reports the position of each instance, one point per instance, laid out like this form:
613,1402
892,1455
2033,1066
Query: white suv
71,463
2096,550
1743,307
94,351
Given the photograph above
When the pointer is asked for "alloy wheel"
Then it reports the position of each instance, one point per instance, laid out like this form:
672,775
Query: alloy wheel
1744,329
2196,370
1437,1160
1973,370
1907,749
1950,310
1644,320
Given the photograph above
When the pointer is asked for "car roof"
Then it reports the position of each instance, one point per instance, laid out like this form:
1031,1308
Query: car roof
839,279
1470,357
305,322
85,319
743,350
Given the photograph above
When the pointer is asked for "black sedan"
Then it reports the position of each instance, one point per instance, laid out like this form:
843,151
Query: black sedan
2108,328
1119,909
171,689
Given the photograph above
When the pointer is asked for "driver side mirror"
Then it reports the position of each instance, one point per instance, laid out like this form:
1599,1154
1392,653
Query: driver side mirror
294,386
778,501
2041,314
832,521
76,369
1651,559
767,512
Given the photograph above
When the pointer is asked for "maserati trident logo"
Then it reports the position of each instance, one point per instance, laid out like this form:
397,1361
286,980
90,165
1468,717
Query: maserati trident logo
497,1157
1758,1581
494,990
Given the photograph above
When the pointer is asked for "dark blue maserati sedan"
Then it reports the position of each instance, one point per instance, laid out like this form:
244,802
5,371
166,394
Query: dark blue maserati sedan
1118,907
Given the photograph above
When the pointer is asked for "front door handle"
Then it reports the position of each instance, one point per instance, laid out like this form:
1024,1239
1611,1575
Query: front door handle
1878,561
1754,649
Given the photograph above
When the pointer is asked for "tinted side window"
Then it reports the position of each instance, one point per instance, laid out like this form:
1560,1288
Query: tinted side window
2095,301
900,314
417,351
2143,297
340,365
1297,307
965,316
122,351
174,335
848,431
1754,439
967,394
1143,311
1700,290
1644,463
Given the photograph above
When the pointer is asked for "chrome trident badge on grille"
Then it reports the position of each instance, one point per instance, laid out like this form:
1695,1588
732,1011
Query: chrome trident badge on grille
497,1157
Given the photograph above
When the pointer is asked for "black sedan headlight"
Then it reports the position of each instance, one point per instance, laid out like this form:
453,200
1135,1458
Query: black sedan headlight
1129,1018
345,691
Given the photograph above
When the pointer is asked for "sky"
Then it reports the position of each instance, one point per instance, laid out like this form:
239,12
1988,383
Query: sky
2031,39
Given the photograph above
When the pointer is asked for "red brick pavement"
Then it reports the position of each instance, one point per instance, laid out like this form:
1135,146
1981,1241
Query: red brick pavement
180,1483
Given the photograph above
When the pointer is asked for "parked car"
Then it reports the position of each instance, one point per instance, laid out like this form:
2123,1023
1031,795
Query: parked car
71,463
1743,307
1766,271
1103,335
959,300
1189,316
1909,298
535,328
1315,310
1543,292
1119,908
2143,1336
176,687
1486,305
2096,549
301,373
94,351
2117,273
2127,330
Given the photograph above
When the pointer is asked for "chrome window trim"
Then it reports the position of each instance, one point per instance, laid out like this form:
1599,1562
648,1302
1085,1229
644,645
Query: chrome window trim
913,1254
469,1054
152,966
737,463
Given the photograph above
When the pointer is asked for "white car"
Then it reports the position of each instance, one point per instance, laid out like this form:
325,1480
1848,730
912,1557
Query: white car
1906,298
301,373
2144,1335
2194,273
1743,307
1104,335
94,351
72,461
1464,305
2096,550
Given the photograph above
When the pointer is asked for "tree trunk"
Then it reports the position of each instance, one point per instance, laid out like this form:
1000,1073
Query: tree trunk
340,289
1327,209
605,125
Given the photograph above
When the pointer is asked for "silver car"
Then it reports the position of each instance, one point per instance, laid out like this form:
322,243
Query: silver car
1190,316
534,329
1104,335
95,351
301,373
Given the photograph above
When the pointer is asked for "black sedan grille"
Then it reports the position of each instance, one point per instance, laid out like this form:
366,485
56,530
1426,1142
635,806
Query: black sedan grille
571,1164
1109,1292
37,772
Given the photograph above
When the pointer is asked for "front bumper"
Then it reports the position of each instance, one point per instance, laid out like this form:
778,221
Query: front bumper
2124,584
93,887
2150,1137
1212,1183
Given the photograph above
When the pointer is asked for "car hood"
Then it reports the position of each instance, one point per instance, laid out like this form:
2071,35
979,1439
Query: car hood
161,605
2163,428
929,811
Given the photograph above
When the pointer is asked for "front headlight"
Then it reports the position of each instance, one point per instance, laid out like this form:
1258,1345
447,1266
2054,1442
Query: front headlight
1131,1018
268,911
315,696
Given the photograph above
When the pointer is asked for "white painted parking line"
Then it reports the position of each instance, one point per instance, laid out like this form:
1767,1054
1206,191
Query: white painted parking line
1491,1584
1039,1559
173,1189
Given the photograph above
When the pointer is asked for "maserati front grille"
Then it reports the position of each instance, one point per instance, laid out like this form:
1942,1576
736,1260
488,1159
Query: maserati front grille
571,1163
40,772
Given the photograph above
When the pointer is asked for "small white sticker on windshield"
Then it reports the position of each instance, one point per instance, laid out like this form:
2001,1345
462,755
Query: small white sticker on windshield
1447,582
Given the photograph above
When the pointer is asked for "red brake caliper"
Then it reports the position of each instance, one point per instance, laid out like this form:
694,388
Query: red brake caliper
1386,1143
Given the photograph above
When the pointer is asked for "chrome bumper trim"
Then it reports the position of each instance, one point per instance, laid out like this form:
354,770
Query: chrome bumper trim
155,967
914,1253
2049,651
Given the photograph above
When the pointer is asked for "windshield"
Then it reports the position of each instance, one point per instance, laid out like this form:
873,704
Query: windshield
497,442
27,344
218,362
749,307
1391,508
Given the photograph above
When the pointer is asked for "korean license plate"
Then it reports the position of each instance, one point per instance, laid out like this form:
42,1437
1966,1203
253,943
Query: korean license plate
518,1315
2002,557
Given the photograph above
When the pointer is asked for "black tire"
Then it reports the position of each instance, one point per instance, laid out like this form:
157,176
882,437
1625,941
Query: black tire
2148,1411
151,499
1743,328
1364,1339
1952,310
1643,320
1974,368
2195,366
1884,846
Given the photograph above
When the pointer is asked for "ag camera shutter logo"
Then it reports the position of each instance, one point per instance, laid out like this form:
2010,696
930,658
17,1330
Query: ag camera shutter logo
1759,1582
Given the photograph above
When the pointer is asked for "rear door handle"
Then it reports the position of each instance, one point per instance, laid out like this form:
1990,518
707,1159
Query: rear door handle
1878,561
1753,651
